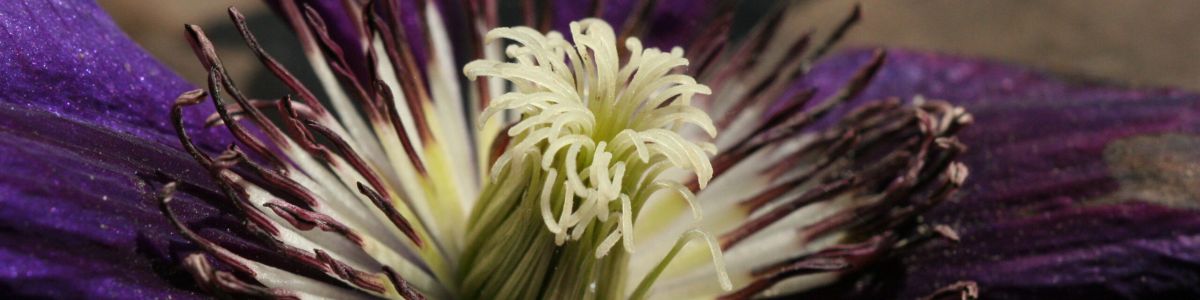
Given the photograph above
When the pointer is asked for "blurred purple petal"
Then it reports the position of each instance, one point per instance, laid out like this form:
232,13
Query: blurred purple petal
1128,251
669,23
1077,190
567,11
343,29
674,23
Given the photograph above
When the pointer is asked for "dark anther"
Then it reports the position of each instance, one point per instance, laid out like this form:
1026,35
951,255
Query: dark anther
963,290
341,270
273,65
272,179
843,28
947,232
255,145
407,291
393,215
356,161
820,193
226,284
164,204
397,125
306,220
192,97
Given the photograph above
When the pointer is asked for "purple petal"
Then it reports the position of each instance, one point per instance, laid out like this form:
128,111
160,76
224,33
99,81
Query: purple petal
1077,191
670,23
675,22
85,140
567,11
1130,250
343,30
78,215
68,58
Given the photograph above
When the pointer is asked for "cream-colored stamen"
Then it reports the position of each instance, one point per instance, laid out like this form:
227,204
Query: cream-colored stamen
597,137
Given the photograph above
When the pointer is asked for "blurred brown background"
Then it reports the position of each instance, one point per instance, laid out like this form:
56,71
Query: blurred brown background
1140,43
158,27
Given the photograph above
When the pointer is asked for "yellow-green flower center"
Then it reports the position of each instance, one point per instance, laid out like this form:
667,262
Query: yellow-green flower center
591,142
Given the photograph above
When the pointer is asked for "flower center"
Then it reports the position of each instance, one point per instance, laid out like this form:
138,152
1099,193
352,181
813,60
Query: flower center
399,196
591,141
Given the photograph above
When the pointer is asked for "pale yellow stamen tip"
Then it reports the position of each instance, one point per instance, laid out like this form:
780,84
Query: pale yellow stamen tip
616,122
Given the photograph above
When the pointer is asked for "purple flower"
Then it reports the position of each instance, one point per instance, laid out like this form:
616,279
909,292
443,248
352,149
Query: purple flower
842,177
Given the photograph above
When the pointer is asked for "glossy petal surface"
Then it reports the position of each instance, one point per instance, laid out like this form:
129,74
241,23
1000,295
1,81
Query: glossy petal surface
85,139
68,58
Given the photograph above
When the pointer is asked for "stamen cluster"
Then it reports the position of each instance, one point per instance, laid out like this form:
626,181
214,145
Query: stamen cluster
591,144
612,122
414,184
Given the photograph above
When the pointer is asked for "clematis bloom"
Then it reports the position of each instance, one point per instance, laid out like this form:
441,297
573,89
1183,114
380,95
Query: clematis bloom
580,165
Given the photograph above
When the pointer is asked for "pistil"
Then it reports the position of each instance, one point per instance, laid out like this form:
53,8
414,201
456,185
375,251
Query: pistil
593,142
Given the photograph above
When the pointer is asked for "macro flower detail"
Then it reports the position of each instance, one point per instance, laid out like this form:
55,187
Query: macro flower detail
613,150
531,197
596,139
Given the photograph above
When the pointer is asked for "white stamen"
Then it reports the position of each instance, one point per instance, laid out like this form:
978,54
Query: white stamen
611,119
